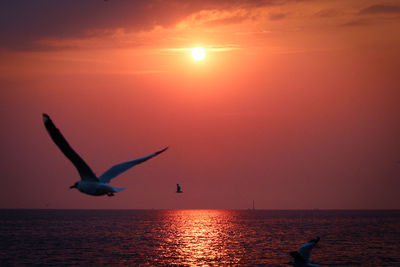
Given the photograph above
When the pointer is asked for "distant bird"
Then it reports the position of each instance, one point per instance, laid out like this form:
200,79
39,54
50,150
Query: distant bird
302,256
89,183
178,189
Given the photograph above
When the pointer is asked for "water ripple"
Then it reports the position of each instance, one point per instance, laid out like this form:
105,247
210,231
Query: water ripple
196,237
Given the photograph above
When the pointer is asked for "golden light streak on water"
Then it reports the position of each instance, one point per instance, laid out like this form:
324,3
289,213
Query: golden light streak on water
200,236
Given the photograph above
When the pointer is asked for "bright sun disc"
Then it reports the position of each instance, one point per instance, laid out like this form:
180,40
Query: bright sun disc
198,53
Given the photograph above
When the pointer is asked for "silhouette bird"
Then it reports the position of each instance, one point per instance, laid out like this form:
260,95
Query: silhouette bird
89,183
302,256
178,189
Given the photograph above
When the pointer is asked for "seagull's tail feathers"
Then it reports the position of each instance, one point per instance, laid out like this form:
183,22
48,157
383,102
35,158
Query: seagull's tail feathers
298,258
116,189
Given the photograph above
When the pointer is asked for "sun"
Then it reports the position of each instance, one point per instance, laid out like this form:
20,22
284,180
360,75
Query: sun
198,53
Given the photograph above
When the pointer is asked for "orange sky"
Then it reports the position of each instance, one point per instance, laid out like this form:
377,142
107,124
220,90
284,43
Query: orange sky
296,105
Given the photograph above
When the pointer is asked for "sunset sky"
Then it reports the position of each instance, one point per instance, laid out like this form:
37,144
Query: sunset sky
296,105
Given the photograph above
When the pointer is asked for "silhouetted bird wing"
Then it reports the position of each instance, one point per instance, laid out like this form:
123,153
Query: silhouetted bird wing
297,257
84,170
305,250
120,168
178,188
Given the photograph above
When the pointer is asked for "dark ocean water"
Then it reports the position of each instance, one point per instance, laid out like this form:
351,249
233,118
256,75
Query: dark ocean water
196,237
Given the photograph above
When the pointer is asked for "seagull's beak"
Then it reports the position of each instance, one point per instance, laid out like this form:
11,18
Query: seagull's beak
72,186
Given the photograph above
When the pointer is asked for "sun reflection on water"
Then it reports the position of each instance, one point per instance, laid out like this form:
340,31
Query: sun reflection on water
200,236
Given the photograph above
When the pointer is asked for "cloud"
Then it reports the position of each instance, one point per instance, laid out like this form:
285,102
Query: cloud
59,24
225,21
23,23
327,13
276,16
218,17
214,48
381,9
373,10
357,22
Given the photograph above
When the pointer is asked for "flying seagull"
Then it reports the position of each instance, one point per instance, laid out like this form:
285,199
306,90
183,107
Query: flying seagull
302,256
178,189
89,183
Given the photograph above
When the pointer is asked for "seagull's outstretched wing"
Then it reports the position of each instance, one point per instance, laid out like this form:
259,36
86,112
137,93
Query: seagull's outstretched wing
305,250
84,170
120,168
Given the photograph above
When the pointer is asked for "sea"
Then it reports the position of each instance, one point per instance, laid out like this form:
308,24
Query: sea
197,237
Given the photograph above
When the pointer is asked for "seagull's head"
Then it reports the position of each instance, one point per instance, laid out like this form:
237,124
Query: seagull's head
74,186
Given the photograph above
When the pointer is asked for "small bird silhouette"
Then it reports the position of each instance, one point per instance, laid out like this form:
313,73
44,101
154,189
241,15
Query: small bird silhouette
178,189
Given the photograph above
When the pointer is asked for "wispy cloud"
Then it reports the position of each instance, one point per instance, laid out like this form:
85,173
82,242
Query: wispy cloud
117,72
141,72
261,32
212,48
356,22
23,23
226,21
327,13
92,24
381,9
276,16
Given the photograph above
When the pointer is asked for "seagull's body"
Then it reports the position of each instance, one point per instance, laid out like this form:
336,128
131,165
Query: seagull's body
178,189
91,184
96,188
302,256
